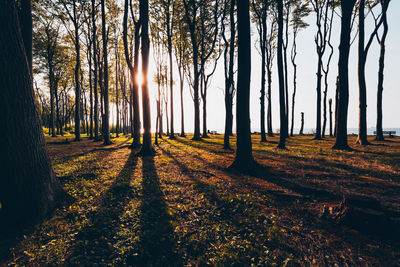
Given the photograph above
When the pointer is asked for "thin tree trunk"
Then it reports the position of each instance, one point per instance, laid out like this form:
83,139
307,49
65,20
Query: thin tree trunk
282,139
106,121
330,118
77,82
379,128
95,74
362,56
302,124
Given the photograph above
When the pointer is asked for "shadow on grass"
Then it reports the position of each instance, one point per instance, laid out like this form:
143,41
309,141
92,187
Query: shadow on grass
157,245
241,216
203,145
95,242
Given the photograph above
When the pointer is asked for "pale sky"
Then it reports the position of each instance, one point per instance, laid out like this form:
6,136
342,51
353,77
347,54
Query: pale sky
306,89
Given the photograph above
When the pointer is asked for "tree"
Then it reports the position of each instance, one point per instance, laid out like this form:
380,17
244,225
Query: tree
181,43
244,160
326,69
170,25
147,148
283,123
382,43
260,11
28,188
133,71
362,58
229,57
330,118
95,73
106,118
347,7
300,11
270,54
321,9
75,16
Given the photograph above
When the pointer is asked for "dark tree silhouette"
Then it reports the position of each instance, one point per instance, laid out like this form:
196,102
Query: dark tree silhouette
330,118
362,58
282,103
347,7
302,124
244,160
382,43
95,74
106,117
28,188
229,57
260,11
147,148
74,16
133,71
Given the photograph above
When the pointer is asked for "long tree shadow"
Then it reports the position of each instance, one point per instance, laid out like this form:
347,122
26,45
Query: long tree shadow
230,211
157,244
94,242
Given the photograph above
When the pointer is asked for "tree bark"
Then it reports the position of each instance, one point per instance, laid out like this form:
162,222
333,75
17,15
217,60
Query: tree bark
379,128
244,160
28,188
95,74
171,81
362,56
77,75
106,120
282,103
344,50
302,124
25,20
147,148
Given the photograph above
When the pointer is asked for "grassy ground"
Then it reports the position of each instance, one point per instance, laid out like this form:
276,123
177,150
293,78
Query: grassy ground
182,207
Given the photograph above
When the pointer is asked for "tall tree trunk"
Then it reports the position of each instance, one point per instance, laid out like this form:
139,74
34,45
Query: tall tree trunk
147,148
52,104
229,72
181,80
244,160
379,128
362,56
28,188
191,21
269,98
285,69
263,77
283,124
293,58
171,78
106,121
344,50
77,73
91,91
134,109
336,106
95,74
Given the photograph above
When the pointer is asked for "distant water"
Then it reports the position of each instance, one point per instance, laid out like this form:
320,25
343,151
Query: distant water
370,131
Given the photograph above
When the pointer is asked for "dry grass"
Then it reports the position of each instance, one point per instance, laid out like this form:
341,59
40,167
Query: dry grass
182,207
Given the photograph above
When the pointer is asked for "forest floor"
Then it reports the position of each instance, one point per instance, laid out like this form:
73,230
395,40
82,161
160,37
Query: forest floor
183,207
